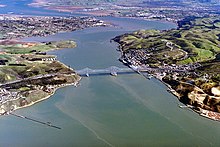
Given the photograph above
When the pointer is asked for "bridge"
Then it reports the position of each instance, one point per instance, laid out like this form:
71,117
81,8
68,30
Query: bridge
114,71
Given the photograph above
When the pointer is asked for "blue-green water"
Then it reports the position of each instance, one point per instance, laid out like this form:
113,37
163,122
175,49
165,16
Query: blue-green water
126,110
21,7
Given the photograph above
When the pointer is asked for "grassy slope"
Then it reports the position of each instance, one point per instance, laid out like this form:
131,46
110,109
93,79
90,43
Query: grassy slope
29,88
39,47
199,37
14,55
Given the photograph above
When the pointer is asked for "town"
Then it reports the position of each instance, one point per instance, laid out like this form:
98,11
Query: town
15,26
176,60
172,10
30,75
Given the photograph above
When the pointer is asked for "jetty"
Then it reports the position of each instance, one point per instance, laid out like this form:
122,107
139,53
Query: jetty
35,120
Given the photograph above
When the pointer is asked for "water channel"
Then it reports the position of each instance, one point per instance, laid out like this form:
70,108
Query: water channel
127,110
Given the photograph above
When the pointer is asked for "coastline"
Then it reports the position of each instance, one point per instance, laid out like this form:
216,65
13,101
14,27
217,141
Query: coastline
69,74
47,97
9,101
15,107
215,116
122,102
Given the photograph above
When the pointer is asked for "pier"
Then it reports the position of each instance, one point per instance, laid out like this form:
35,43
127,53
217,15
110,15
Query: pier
34,120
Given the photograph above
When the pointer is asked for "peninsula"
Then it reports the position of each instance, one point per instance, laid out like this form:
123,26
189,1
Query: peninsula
27,74
186,59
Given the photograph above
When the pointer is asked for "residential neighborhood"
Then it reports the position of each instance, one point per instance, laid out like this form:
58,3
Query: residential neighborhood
15,26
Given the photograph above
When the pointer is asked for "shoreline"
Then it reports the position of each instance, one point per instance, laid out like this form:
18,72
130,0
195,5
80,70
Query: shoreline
14,104
75,84
202,112
47,97
215,116
73,81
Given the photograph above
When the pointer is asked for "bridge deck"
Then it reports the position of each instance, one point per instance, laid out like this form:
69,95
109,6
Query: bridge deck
88,72
113,70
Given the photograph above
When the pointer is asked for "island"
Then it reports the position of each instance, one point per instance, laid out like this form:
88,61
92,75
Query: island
27,73
186,59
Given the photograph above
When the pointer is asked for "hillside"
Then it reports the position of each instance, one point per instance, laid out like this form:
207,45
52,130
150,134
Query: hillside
186,59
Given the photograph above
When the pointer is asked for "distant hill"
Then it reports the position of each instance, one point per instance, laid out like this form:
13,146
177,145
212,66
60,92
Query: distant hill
120,2
78,2
83,2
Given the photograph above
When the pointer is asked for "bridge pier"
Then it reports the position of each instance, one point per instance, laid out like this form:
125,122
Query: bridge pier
87,74
114,73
